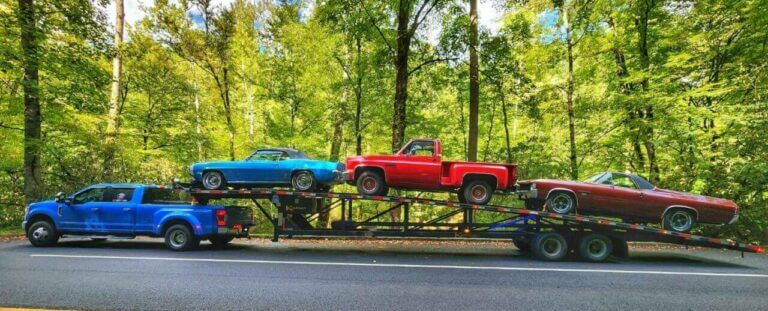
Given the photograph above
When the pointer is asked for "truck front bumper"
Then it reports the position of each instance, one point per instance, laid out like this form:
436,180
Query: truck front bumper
24,225
528,194
237,231
341,176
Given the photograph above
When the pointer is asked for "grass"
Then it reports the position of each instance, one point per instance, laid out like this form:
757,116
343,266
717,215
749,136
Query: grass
11,231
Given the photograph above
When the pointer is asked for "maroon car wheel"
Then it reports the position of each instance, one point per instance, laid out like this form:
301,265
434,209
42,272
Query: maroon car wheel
679,220
561,202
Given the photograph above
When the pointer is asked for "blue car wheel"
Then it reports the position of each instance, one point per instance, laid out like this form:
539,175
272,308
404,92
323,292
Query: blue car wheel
303,181
213,180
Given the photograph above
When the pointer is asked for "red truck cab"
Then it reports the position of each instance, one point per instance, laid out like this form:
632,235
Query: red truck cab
418,166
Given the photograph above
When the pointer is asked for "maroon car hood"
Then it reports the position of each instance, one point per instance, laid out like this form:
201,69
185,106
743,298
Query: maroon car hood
697,197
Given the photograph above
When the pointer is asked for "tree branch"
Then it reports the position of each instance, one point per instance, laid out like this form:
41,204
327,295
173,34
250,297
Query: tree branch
417,68
2,125
375,25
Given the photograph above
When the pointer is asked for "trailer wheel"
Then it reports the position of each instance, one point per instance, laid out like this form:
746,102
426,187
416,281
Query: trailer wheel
523,246
180,238
42,233
550,246
561,202
213,180
595,247
477,191
371,183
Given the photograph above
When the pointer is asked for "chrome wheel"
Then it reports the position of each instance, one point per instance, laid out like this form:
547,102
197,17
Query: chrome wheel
479,193
40,234
561,203
369,184
303,181
681,221
178,239
212,180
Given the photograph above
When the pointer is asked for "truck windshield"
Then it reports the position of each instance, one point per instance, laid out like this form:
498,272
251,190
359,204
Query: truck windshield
165,196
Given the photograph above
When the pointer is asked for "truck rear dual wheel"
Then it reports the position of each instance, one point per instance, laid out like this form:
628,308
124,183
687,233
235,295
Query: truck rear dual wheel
595,247
550,246
42,233
180,238
371,183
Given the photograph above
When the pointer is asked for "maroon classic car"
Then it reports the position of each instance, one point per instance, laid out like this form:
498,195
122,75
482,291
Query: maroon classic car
629,197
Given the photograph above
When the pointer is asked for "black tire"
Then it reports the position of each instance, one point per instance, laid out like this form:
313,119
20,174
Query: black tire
371,183
679,220
42,234
477,191
180,238
213,180
595,247
561,202
221,240
550,246
304,181
523,246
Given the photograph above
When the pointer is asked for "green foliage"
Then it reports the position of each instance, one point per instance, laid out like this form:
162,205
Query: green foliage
286,73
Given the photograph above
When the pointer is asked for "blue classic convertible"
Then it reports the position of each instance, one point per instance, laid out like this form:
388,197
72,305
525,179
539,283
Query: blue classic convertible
273,167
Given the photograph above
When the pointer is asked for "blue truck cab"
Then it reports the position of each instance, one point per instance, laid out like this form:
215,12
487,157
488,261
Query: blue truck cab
104,211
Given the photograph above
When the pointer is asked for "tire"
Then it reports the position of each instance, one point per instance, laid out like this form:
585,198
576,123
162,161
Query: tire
371,183
595,247
304,181
523,246
550,246
679,220
561,202
477,191
213,180
221,240
42,234
180,238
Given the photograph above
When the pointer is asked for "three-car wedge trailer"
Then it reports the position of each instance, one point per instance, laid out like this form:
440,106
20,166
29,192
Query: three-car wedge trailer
548,235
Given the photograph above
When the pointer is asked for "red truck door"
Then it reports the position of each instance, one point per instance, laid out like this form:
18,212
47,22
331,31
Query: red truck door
417,165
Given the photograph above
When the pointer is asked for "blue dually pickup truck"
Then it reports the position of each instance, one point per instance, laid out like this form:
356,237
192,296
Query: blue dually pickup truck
104,211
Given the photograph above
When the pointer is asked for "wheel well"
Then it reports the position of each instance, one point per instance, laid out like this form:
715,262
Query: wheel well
173,222
302,170
37,218
488,178
361,170
684,208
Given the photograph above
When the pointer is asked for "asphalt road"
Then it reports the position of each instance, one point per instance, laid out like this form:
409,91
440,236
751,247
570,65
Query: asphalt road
264,276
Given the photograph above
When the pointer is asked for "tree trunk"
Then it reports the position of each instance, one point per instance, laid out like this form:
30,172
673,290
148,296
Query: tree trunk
474,85
358,99
569,95
113,123
647,130
32,115
502,96
401,76
228,112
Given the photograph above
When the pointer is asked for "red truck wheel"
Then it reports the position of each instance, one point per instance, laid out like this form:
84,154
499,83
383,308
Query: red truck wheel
476,192
371,183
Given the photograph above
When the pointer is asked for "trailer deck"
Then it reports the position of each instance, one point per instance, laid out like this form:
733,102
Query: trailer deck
550,236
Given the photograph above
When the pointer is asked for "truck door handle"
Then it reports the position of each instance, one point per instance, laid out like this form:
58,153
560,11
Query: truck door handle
389,164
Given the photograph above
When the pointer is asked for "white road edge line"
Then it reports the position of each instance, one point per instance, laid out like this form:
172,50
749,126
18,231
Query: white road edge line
384,265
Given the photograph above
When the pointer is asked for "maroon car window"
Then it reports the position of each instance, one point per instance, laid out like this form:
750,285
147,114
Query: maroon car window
622,180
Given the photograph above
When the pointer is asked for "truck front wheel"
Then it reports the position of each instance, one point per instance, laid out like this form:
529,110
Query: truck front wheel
371,183
42,233
180,238
477,192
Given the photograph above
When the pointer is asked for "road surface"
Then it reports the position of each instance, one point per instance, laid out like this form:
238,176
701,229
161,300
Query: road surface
142,274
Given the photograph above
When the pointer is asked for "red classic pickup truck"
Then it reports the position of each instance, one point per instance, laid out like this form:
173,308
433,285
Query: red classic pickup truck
419,166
